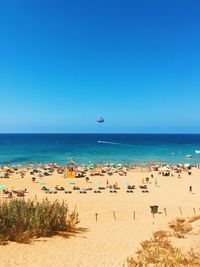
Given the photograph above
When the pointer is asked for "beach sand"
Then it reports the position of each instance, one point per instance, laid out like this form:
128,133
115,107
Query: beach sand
105,242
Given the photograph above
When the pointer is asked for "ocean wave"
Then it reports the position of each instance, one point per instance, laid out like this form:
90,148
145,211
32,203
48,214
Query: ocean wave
113,143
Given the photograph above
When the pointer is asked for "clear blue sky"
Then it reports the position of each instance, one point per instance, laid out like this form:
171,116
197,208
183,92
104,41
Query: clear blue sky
136,63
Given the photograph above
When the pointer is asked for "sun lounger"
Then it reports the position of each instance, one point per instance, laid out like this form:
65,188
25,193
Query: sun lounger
129,191
68,192
20,194
52,192
97,191
131,187
76,188
83,191
113,191
143,186
59,188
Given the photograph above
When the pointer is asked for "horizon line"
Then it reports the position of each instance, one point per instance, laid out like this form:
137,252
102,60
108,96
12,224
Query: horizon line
104,133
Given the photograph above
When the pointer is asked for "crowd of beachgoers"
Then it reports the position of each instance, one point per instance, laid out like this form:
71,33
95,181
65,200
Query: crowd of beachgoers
115,203
72,170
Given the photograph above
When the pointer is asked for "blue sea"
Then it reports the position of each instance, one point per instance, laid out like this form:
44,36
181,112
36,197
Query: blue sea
25,149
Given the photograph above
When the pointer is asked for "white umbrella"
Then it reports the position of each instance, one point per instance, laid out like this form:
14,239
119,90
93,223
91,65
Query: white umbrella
164,168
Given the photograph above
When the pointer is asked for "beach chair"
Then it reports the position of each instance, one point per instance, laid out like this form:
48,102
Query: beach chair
52,192
97,191
143,187
113,191
117,188
129,187
76,188
59,188
83,191
68,192
129,191
101,188
145,191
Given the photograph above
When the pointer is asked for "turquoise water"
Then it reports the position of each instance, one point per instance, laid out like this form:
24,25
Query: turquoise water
98,148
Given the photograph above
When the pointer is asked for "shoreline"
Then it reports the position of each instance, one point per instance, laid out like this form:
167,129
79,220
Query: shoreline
127,164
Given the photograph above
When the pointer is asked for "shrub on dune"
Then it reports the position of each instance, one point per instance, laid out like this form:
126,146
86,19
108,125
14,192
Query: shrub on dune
180,227
22,220
158,251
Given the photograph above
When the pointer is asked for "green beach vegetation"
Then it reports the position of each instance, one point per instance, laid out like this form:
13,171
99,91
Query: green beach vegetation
159,251
22,220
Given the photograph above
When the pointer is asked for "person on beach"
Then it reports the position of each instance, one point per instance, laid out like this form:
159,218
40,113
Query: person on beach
156,182
190,189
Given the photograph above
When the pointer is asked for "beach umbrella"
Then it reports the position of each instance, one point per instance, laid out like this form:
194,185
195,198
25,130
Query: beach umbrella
91,166
2,187
164,168
187,165
79,169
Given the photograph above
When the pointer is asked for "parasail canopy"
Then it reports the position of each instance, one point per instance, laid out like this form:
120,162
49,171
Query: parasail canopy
100,120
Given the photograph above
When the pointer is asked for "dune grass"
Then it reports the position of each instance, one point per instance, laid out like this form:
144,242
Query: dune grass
180,227
22,220
194,219
158,251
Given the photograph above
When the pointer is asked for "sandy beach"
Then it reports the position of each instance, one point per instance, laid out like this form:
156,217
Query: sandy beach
116,234
99,133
